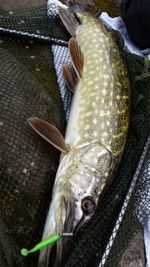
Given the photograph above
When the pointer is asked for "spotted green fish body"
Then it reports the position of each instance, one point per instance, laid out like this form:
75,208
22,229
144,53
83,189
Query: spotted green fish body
101,103
96,132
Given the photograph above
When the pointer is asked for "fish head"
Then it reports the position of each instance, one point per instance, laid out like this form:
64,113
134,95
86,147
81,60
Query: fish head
75,198
59,221
92,167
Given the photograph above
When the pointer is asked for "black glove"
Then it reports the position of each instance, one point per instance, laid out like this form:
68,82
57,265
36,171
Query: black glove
136,16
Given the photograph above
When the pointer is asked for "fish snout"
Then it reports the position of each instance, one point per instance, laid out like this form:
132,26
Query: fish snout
63,216
64,226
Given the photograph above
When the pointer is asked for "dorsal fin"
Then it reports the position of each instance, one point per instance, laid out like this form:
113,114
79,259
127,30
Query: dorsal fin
76,56
70,77
49,132
69,19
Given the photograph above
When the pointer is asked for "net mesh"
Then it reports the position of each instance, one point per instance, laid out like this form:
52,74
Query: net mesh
32,49
34,22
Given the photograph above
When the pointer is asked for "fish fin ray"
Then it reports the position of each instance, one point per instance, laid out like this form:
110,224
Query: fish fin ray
70,77
76,56
75,7
49,132
90,8
69,20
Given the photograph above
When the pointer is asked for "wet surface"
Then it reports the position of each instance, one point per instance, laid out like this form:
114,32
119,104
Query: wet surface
27,165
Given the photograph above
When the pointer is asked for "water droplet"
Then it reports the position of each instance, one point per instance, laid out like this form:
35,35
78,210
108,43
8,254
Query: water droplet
32,57
25,171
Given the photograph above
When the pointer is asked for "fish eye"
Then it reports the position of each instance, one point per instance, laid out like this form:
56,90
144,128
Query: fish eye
88,205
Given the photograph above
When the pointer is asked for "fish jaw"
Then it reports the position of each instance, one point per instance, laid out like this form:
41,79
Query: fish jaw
102,154
80,177
59,220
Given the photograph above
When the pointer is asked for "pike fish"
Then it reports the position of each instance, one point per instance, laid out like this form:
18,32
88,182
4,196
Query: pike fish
96,131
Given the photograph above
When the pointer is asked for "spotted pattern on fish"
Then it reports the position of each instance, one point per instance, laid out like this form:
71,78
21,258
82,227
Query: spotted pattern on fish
104,90
96,129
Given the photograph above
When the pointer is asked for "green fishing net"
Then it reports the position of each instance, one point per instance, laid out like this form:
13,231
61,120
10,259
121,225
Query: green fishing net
29,86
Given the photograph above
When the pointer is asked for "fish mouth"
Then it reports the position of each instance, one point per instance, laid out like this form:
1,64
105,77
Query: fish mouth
56,255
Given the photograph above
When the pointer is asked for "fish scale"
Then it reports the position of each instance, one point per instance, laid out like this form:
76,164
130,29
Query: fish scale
104,91
96,130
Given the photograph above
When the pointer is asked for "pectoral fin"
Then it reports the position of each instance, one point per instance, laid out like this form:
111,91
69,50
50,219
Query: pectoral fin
70,77
49,132
76,56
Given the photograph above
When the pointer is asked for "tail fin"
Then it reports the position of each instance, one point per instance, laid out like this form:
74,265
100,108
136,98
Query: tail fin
70,20
90,8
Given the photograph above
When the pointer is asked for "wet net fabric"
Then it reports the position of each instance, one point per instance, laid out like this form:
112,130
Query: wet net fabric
34,22
27,167
33,46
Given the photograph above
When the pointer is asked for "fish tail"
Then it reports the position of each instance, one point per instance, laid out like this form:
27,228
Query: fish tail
75,7
70,20
90,8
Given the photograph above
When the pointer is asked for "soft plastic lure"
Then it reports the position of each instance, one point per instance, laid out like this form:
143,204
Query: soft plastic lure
44,243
